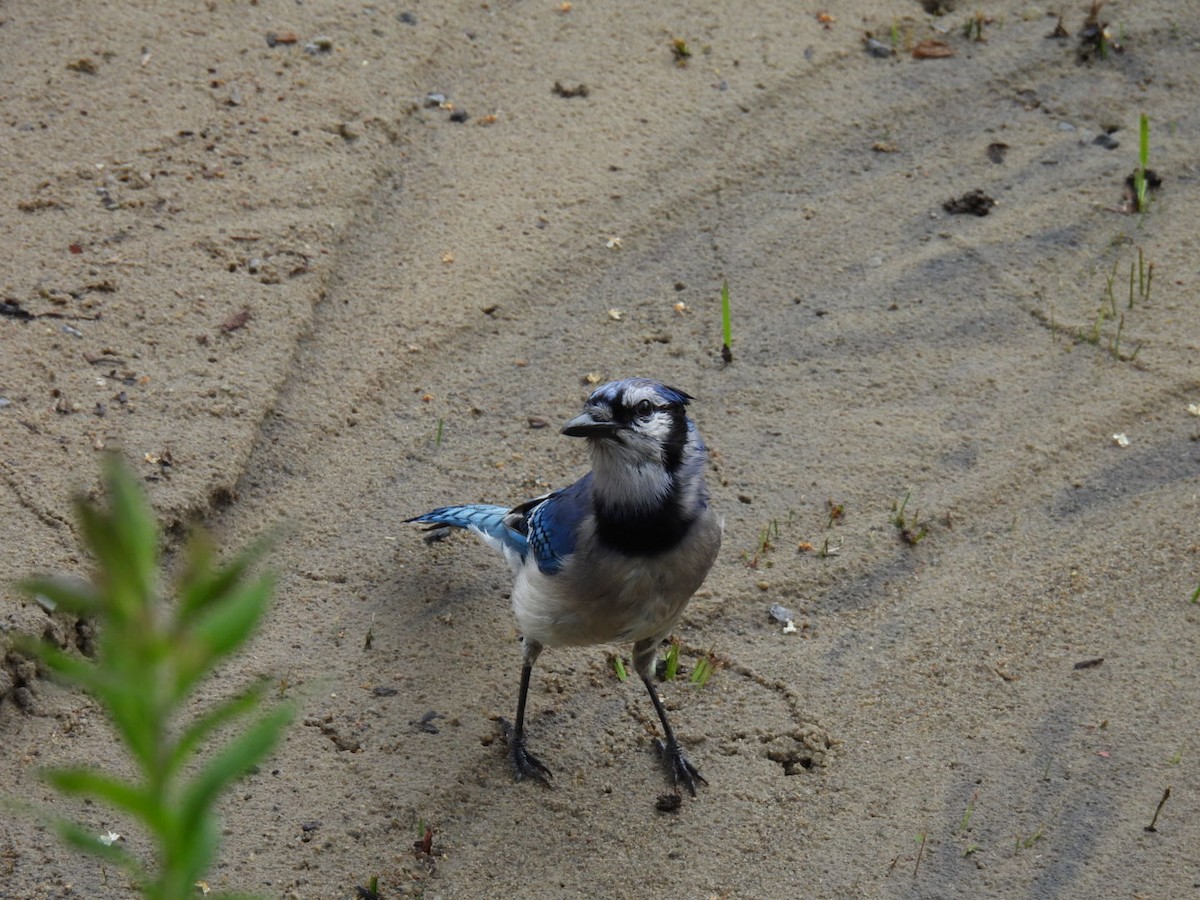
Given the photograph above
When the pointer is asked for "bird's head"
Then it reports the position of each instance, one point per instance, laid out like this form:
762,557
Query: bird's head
634,422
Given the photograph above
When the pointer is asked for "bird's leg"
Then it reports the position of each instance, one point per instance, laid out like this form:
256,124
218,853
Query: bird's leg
678,766
523,762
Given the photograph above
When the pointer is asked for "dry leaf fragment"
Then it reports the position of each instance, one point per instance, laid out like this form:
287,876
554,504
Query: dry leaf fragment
237,320
931,49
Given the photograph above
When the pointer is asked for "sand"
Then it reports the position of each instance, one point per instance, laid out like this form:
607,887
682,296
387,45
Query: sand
293,289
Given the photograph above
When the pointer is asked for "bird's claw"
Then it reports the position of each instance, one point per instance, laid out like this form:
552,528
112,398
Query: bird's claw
523,762
679,767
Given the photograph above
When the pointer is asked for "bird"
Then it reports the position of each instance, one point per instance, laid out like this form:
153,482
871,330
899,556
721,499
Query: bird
614,557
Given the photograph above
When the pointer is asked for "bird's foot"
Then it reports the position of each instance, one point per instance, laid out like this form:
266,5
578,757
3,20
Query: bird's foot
523,762
678,766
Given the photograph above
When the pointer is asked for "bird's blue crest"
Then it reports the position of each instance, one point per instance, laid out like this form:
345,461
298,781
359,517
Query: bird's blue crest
613,391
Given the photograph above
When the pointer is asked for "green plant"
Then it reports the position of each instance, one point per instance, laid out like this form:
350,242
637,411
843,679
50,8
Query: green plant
769,531
964,824
912,530
619,668
702,672
1140,184
726,325
671,663
149,661
1025,843
973,29
1141,279
1145,280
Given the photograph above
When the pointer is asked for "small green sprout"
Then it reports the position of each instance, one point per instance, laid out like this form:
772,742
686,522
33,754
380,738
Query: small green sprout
726,325
1024,843
671,663
965,824
619,669
912,531
702,672
1140,182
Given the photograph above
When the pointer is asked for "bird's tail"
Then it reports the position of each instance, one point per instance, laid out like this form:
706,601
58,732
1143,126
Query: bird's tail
485,520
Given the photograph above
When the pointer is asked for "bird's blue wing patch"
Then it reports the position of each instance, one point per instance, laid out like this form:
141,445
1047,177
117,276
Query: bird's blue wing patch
553,524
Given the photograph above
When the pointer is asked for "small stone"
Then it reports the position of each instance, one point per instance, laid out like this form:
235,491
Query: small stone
781,613
320,44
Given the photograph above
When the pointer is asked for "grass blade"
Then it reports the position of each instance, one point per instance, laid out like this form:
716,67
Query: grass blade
726,324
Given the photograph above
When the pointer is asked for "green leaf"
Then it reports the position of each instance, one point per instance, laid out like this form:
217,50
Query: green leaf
125,544
202,582
726,323
84,840
89,783
66,665
232,762
223,627
1143,140
202,727
671,665
74,595
138,719
134,522
188,856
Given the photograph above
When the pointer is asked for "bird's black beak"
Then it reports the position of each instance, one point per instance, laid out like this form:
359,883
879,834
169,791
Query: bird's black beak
587,425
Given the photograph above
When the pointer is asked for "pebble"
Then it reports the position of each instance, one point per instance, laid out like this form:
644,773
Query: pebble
781,613
878,49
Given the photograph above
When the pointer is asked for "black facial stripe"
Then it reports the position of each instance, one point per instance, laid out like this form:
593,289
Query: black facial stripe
675,441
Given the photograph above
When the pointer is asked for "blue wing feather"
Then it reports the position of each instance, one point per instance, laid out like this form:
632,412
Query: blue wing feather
553,524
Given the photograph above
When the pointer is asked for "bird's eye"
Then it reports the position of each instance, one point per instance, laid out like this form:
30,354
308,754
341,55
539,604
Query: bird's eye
644,408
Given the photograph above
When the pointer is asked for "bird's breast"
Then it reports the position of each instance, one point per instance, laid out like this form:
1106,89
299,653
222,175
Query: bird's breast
602,595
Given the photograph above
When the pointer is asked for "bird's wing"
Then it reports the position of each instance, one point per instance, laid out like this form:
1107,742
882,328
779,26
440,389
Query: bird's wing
551,523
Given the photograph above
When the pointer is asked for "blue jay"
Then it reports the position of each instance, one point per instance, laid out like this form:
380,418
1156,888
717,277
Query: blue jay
614,557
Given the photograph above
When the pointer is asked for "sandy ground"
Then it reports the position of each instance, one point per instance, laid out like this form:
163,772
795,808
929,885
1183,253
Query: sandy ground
294,292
